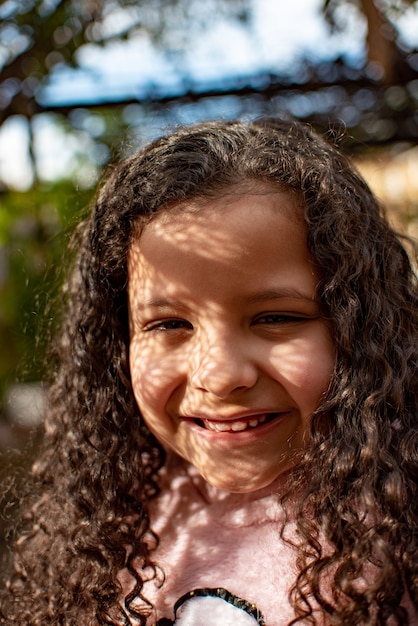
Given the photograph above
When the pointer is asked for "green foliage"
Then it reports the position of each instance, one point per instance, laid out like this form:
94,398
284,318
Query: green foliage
34,230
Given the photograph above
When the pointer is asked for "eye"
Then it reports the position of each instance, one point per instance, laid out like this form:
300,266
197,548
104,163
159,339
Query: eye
169,325
279,318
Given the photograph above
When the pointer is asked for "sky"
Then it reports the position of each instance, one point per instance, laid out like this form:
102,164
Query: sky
282,32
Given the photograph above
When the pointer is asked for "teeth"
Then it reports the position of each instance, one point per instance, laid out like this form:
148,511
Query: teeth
219,426
237,426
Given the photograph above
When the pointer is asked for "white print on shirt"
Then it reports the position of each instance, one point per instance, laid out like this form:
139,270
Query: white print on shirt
213,607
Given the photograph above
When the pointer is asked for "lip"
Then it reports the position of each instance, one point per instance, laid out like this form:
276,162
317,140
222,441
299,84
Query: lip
230,436
232,417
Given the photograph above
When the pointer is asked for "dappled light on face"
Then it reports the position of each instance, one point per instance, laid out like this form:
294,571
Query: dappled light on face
229,352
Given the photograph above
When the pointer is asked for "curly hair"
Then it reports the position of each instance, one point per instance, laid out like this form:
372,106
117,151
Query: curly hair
87,516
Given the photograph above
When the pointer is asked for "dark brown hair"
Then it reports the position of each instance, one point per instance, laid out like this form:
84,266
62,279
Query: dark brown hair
87,518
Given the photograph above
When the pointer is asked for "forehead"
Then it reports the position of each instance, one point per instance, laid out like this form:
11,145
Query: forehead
206,212
240,238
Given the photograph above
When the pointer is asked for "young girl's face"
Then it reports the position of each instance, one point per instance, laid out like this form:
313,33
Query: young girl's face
230,353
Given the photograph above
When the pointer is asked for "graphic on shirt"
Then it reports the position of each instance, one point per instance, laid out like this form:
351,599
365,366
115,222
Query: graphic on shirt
213,607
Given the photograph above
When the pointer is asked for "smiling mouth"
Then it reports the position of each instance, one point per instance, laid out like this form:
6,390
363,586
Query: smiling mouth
236,426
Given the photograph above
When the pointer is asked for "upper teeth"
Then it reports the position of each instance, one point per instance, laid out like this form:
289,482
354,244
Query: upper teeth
236,426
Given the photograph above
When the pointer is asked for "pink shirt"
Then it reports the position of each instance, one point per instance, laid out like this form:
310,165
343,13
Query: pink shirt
221,554
215,540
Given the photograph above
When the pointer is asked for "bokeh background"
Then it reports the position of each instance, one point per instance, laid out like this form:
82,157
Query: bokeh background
84,82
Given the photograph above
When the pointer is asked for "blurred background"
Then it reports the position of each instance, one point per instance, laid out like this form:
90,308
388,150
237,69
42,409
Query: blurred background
84,82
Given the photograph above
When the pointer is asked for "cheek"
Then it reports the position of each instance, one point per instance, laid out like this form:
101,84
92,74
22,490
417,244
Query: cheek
305,368
152,378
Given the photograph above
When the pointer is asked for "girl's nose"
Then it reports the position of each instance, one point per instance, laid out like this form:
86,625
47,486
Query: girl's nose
223,367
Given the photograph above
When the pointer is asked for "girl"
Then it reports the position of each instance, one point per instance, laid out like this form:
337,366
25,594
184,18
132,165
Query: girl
231,435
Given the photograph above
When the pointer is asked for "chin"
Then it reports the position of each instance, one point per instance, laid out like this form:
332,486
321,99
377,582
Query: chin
239,484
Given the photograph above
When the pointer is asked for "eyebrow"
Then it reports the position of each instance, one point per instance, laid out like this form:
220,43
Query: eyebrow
264,296
160,303
281,294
